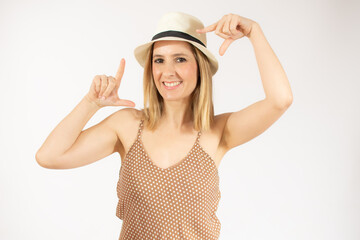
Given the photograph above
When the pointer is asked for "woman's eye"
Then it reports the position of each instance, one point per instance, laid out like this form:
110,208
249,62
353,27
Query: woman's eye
182,59
157,60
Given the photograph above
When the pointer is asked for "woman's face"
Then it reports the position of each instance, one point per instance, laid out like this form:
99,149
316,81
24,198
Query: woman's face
173,62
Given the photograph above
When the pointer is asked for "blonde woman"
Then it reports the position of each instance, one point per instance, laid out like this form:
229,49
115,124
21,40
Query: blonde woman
171,149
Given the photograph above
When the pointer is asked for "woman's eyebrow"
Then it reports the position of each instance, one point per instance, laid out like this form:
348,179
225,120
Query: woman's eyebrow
174,55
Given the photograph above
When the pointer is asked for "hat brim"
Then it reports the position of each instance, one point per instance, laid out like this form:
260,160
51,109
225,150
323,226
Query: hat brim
141,51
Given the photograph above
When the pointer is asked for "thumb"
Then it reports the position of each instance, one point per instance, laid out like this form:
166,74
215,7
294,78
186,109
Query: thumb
123,102
225,46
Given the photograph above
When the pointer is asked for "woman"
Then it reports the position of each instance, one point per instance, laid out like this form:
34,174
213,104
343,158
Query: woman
165,190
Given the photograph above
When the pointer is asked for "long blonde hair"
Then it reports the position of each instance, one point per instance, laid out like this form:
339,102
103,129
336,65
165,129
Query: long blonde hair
202,107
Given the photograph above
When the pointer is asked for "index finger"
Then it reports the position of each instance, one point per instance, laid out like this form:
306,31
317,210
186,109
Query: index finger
208,28
120,71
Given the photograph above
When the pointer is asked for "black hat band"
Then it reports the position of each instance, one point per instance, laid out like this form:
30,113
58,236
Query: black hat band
177,34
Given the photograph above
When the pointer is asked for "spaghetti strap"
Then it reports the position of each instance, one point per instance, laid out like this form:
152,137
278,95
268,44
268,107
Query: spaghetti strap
198,136
140,128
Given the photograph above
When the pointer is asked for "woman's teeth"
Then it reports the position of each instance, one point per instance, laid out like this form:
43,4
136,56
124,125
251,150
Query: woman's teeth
171,84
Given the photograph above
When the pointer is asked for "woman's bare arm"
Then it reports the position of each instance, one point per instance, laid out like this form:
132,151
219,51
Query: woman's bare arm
69,133
68,146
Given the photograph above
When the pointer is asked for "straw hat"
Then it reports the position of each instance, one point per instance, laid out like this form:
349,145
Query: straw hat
181,27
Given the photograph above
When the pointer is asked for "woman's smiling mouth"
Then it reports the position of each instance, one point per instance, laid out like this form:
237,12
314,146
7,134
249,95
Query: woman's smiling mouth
172,85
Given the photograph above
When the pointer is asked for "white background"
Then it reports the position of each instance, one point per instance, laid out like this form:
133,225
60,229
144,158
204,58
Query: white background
300,179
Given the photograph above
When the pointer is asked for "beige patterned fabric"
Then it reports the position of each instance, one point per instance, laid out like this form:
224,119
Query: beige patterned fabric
178,202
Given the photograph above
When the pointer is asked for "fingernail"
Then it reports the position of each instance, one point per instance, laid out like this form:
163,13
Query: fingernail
102,97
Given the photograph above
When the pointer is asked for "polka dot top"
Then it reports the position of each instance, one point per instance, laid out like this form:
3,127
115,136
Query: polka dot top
178,202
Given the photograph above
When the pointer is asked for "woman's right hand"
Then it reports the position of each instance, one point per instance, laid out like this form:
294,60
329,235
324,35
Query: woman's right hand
103,85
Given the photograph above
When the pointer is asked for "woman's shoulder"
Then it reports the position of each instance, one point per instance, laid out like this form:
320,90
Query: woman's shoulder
130,114
124,119
220,120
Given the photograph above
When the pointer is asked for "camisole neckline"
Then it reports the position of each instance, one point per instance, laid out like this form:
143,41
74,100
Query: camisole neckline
177,164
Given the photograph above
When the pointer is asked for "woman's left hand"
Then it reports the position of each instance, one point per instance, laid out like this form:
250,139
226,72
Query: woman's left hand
230,27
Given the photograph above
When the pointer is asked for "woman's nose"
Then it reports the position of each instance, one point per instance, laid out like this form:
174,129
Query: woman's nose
169,69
